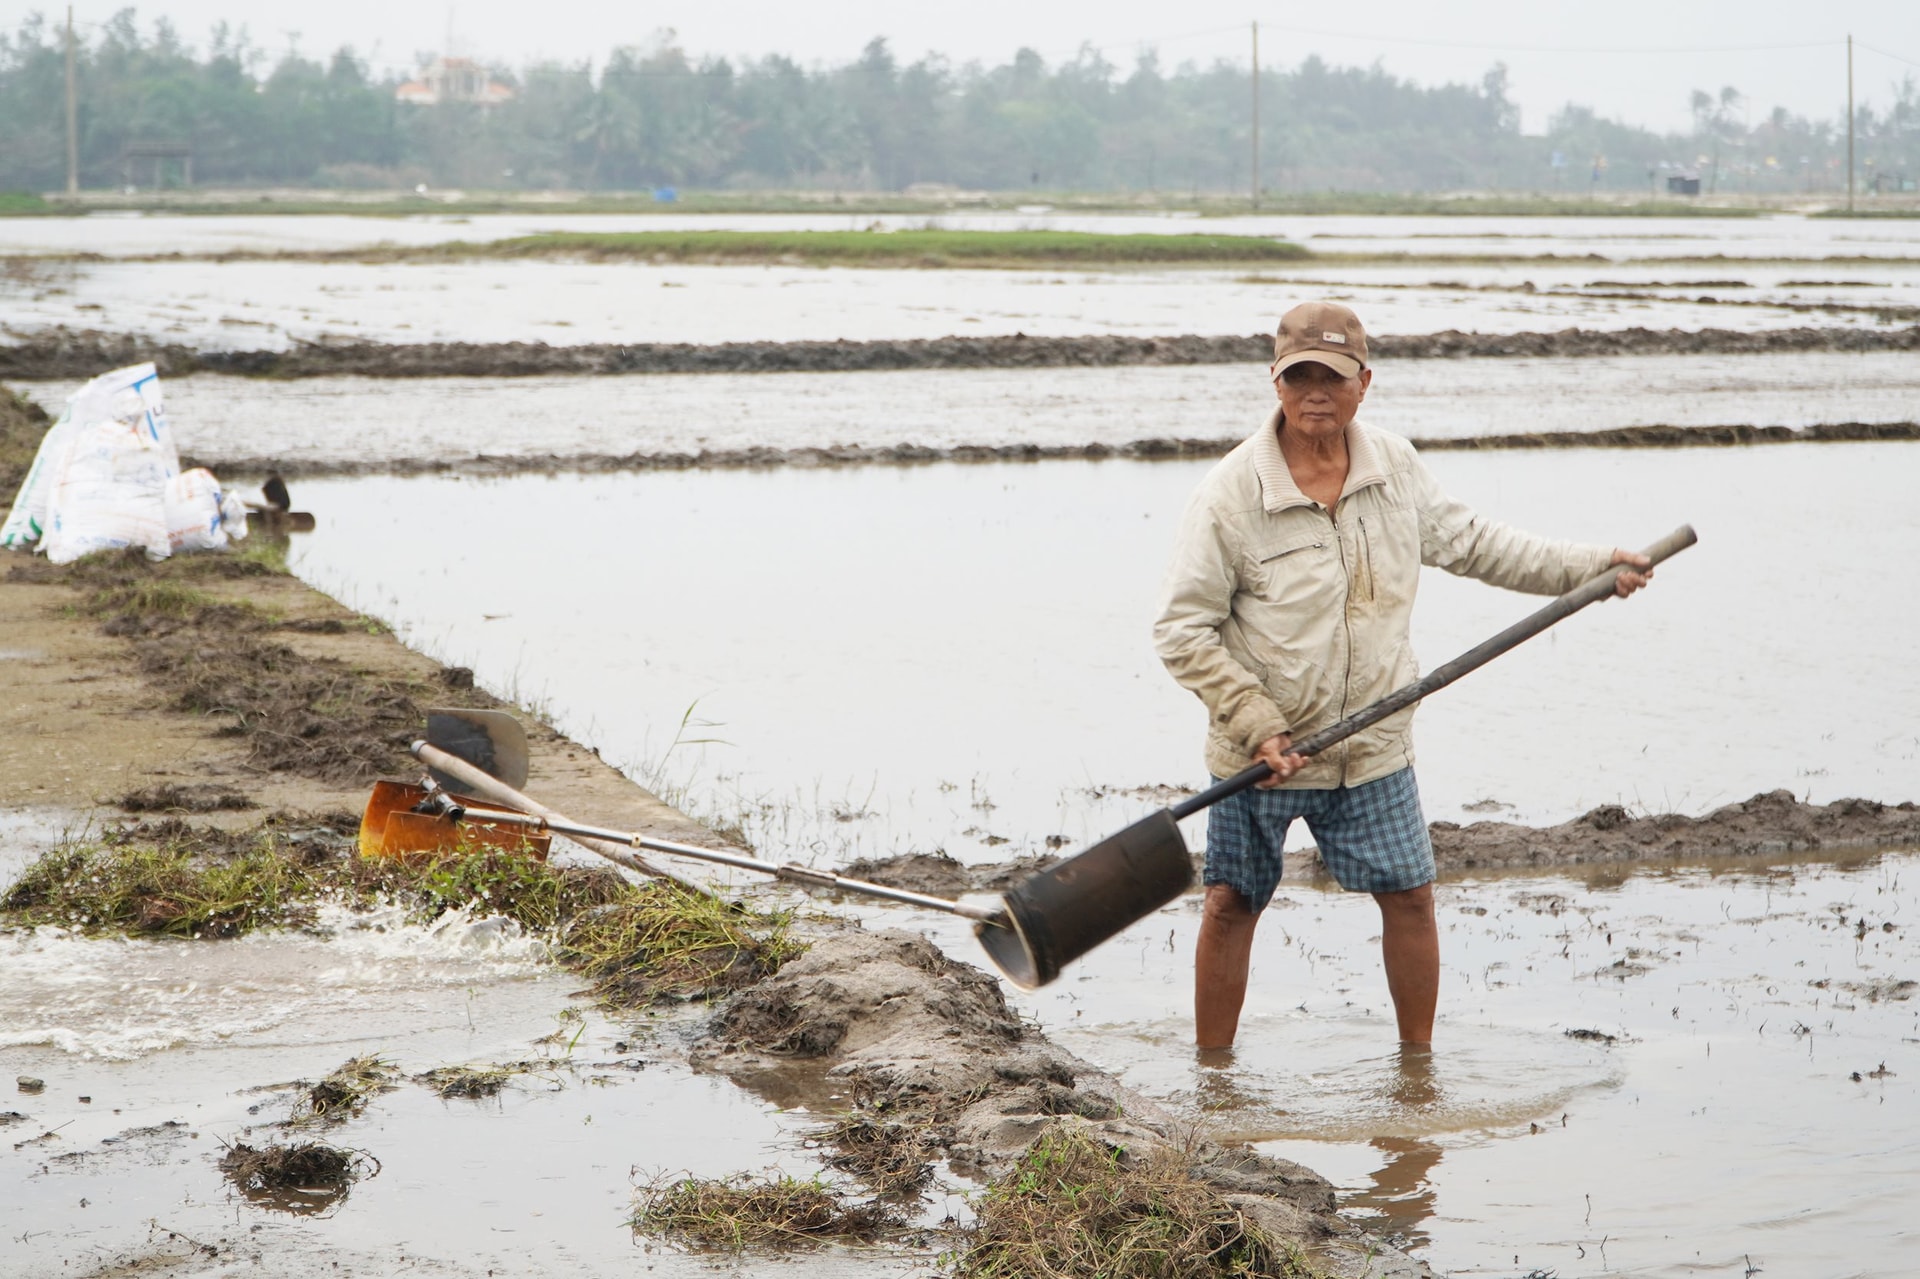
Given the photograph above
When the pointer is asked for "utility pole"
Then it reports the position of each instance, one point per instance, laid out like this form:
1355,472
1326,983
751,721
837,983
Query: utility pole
1256,115
1849,122
73,116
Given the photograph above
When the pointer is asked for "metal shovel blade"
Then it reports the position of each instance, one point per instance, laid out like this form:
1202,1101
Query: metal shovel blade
1060,914
492,741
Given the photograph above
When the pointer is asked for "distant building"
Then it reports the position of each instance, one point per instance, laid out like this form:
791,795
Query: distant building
453,80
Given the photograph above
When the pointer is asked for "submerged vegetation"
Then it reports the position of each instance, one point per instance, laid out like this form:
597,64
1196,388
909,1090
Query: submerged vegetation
476,1081
165,888
638,943
1074,1206
346,1091
303,1177
738,1212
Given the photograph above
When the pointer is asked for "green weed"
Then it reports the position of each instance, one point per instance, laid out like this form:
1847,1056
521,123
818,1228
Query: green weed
1075,1206
919,248
167,889
664,941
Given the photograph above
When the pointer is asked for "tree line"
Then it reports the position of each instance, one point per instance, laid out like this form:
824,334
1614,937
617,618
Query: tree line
660,117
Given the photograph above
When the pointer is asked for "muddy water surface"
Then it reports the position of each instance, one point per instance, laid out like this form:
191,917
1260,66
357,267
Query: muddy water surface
328,422
880,660
271,305
1705,1069
155,1056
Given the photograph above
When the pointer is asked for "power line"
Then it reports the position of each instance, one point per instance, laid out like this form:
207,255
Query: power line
1862,44
1372,37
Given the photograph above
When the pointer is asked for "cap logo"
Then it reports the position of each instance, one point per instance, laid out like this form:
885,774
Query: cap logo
1341,338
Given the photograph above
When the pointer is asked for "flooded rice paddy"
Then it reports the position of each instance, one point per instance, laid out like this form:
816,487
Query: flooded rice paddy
156,1056
269,305
891,659
326,423
1666,1071
1675,1071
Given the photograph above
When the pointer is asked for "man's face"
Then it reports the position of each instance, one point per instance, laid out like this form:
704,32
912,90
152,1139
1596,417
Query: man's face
1319,401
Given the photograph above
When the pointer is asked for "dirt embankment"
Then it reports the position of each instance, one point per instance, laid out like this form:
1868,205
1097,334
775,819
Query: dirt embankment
63,353
929,1050
1768,825
218,684
1154,448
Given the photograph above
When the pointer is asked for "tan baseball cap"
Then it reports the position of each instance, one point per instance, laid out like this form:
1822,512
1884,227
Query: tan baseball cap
1323,333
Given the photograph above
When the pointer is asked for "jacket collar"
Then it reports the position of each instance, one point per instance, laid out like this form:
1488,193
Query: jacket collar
1277,489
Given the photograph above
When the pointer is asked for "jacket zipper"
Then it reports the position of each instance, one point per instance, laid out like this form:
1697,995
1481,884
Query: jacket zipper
1346,620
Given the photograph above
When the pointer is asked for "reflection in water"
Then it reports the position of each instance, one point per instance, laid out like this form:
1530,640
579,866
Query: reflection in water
1401,1195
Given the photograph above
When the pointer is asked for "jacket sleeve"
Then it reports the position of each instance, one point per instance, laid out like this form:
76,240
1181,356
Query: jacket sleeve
1457,539
1198,600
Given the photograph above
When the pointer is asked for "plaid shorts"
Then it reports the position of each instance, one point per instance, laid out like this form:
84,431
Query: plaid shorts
1372,837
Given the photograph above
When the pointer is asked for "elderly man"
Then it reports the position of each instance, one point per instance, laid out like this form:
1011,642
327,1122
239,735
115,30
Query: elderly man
1287,607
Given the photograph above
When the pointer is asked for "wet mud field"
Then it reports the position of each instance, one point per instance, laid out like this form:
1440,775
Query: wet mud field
1678,839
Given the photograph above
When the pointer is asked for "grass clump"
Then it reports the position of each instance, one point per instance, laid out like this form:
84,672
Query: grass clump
739,1212
538,897
303,1178
638,944
167,889
346,1092
892,1156
475,1081
914,248
1074,1206
663,941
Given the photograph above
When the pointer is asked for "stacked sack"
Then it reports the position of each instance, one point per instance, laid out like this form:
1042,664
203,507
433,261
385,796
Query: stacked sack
108,476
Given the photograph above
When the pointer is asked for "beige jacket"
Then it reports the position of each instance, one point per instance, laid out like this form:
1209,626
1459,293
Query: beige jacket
1284,619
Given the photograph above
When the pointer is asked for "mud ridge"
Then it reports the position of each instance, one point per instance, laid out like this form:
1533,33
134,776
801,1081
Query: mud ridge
1768,825
61,353
916,1036
1156,448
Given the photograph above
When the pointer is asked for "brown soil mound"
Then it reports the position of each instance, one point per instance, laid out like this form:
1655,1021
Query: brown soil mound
66,353
934,873
929,1044
1766,825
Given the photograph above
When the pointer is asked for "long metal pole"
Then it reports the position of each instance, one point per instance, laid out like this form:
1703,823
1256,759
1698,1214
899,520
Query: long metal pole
1256,115
608,841
1592,590
477,781
1849,122
73,117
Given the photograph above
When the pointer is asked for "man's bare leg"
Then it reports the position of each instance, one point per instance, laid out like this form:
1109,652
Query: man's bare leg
1220,962
1410,947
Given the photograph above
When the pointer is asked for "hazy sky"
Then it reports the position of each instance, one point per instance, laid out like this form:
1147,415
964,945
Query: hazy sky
1636,60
